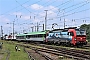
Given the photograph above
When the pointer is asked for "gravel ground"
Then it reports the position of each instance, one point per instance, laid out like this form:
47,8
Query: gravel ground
54,57
1,56
36,55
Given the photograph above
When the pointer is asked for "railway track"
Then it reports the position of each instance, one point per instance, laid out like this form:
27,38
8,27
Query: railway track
29,55
66,54
71,53
75,54
38,55
85,47
8,55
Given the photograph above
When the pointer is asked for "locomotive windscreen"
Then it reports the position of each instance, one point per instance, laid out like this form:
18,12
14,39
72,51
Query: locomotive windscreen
80,32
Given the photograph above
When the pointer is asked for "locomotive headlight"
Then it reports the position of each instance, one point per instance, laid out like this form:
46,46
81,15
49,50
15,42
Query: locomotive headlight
74,38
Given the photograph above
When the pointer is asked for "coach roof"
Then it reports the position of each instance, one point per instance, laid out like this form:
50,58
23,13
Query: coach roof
32,33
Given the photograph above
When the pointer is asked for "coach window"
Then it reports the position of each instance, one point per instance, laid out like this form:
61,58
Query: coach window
18,37
38,35
35,36
32,36
27,36
41,35
44,35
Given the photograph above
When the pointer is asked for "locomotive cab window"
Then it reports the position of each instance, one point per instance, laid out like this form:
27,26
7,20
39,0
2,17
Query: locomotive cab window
70,33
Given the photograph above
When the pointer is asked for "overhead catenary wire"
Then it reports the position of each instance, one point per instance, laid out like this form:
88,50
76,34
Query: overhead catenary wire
78,7
82,18
27,6
69,7
73,5
43,4
75,12
41,0
63,3
47,4
51,3
62,8
56,6
14,8
21,8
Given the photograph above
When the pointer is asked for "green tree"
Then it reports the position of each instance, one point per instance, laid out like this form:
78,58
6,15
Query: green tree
87,28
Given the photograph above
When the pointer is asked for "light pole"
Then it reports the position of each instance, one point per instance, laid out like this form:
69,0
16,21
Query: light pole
1,33
13,28
64,18
64,23
32,28
46,20
37,27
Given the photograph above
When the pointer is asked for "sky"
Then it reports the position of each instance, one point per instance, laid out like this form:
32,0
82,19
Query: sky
26,14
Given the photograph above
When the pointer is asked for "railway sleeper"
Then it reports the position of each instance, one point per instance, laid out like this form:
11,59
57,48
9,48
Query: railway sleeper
76,54
66,52
46,56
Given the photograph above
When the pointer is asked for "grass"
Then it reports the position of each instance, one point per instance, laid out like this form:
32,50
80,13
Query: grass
19,55
88,42
3,54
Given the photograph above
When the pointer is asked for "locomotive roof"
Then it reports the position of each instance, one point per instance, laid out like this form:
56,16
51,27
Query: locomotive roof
81,29
66,29
59,30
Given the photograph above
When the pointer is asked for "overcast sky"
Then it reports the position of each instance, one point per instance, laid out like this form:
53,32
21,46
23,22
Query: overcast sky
27,13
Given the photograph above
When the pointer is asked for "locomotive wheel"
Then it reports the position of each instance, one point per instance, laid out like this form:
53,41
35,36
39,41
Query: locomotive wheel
80,45
59,43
